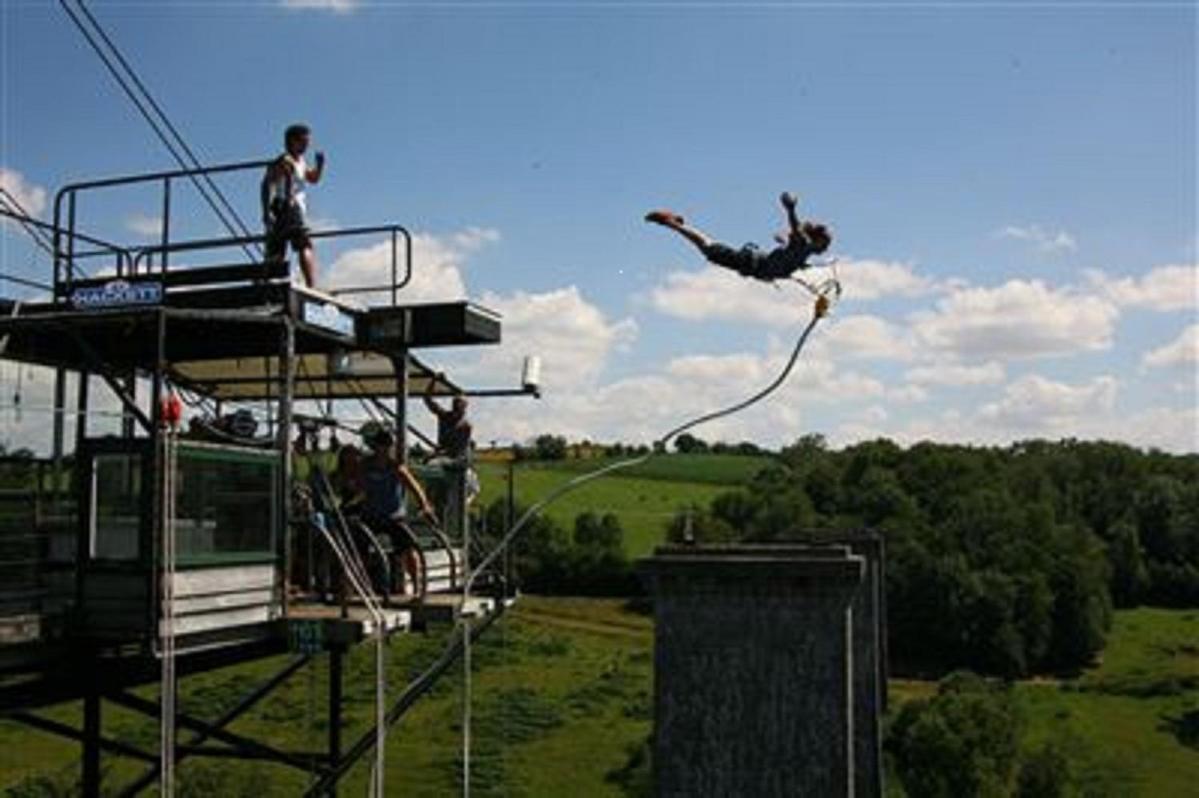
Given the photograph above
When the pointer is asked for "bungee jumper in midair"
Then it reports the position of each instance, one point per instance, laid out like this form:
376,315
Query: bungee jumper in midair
801,240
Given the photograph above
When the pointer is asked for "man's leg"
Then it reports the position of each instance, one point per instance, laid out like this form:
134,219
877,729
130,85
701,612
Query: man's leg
673,221
308,264
411,564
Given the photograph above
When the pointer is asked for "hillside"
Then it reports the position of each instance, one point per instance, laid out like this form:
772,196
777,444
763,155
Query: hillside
644,498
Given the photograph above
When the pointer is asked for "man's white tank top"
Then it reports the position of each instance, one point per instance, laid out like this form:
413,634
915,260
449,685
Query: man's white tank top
289,184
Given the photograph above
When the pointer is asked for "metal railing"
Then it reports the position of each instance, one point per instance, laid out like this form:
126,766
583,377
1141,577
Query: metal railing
64,258
122,254
141,260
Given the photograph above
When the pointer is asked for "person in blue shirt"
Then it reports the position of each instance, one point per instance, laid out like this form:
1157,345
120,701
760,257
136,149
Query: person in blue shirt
385,485
801,240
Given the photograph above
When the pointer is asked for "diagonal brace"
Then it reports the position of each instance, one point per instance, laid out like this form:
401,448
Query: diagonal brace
259,750
101,368
71,733
230,715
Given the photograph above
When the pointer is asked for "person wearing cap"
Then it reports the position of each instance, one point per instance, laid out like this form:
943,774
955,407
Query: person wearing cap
385,486
800,240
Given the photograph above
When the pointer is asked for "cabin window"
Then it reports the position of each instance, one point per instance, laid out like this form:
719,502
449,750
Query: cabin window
225,504
116,506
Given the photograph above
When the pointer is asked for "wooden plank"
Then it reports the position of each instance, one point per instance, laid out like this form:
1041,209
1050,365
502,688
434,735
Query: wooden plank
191,624
207,581
225,601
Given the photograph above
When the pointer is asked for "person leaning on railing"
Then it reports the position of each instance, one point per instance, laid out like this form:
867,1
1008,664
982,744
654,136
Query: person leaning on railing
453,430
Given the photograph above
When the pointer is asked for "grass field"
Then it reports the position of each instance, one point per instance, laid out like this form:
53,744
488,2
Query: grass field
562,694
645,497
1135,717
707,469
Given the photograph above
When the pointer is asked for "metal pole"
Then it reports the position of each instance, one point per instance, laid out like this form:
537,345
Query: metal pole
283,443
81,412
511,494
71,240
60,405
401,369
166,221
127,420
335,683
91,740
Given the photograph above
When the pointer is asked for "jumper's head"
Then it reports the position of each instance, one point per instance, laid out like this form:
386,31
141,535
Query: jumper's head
459,406
295,139
819,235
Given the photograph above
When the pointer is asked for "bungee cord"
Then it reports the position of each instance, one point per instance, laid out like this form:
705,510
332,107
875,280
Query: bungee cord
820,311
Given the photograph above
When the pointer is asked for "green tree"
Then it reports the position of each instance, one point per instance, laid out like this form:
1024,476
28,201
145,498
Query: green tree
964,741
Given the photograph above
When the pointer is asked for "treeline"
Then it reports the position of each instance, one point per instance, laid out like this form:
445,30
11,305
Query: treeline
1002,560
557,447
586,560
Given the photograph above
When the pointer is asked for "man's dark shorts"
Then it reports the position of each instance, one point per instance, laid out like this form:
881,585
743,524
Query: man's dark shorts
749,261
290,227
745,261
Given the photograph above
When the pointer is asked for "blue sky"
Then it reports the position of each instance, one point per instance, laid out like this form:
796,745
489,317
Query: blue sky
1012,189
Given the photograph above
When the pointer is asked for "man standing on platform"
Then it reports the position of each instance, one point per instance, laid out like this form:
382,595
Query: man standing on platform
284,209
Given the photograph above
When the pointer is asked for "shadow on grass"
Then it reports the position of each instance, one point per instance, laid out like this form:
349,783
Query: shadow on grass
1184,727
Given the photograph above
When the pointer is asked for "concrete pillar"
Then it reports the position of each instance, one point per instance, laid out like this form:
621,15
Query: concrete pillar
753,670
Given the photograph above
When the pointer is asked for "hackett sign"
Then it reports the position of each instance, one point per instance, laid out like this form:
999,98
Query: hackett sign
117,293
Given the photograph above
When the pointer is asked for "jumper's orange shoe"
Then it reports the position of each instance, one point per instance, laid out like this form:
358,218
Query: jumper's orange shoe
668,218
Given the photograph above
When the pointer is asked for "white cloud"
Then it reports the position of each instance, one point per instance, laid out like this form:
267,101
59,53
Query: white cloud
716,293
30,196
30,426
573,338
144,225
1018,319
474,238
956,374
1034,403
437,266
1183,350
643,406
1172,429
866,337
336,6
739,368
1165,288
907,394
874,279
1046,241
875,414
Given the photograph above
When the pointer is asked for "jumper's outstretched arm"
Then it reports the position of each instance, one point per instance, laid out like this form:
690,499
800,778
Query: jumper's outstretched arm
789,201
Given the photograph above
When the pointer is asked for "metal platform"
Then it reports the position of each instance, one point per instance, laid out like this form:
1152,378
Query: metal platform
211,332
